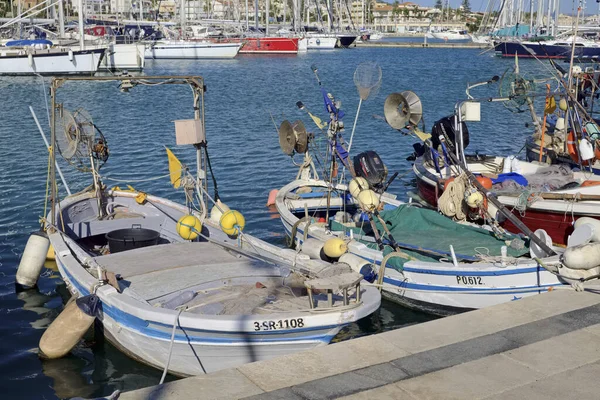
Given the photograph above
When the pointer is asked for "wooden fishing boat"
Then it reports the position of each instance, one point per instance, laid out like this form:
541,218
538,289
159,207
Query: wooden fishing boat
180,288
423,259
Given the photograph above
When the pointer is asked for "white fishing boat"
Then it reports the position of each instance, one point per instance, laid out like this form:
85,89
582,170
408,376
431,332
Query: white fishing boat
452,34
187,49
179,287
23,57
424,260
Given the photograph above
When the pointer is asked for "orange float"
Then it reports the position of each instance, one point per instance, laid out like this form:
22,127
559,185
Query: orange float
485,182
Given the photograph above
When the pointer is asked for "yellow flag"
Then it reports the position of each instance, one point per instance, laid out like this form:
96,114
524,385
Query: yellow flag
317,121
550,105
422,135
175,169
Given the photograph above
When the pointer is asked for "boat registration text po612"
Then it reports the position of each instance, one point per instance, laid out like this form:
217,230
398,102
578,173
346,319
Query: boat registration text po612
279,324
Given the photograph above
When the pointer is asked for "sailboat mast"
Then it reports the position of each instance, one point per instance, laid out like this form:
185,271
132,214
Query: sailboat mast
267,6
80,17
61,19
256,14
247,18
182,17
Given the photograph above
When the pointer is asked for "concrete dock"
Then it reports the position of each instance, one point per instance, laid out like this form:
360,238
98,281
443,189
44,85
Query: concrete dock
540,347
434,45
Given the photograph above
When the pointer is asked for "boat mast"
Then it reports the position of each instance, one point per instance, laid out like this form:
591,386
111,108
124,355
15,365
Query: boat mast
256,14
80,17
182,18
267,6
61,19
247,18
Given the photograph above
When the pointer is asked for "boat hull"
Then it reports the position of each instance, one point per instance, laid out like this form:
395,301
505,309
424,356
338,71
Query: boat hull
192,50
345,41
433,287
48,62
270,45
449,36
128,57
555,218
541,50
321,42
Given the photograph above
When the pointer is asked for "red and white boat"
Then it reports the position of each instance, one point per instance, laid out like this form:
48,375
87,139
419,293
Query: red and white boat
555,215
265,45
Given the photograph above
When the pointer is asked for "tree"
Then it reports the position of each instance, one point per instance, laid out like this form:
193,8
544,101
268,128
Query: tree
466,7
438,4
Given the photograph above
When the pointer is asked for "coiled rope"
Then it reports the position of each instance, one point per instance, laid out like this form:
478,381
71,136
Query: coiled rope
451,202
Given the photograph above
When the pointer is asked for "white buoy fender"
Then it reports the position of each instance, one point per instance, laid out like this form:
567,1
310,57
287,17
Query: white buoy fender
360,265
30,60
33,259
69,327
313,248
356,185
217,211
71,55
586,256
594,223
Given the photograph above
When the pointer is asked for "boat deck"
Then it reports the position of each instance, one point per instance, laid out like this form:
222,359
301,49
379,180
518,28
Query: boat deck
223,282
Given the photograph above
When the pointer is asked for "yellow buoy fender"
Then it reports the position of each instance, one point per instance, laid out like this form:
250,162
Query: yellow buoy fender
69,327
217,211
188,227
33,259
356,185
586,256
232,222
335,247
51,255
562,104
368,200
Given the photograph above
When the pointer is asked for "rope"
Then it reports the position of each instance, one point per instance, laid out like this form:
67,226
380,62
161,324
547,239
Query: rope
526,198
292,244
212,174
162,379
451,202
105,178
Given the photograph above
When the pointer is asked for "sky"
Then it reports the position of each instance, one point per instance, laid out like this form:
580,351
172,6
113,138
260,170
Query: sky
566,6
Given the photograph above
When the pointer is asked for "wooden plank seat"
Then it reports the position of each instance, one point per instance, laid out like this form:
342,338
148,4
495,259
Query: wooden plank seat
333,284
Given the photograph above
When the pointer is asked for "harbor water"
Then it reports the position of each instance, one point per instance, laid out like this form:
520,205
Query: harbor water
246,97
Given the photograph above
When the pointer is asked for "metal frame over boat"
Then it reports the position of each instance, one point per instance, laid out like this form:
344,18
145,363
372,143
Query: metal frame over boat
201,295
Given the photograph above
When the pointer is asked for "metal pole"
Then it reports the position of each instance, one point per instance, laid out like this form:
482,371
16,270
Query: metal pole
61,19
267,6
62,178
53,155
247,18
256,14
80,17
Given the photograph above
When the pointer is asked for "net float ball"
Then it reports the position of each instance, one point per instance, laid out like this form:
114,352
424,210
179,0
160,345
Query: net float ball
356,185
562,104
485,182
368,200
232,222
188,227
335,248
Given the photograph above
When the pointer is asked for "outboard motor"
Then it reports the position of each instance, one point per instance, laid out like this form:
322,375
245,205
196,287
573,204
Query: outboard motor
445,127
369,166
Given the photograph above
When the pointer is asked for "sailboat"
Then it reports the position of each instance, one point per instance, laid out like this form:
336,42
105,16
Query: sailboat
42,57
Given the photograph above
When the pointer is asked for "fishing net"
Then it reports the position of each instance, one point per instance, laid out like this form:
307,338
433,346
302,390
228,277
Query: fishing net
367,78
517,88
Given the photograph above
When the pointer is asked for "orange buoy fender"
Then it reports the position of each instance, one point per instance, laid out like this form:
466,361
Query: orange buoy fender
272,196
69,327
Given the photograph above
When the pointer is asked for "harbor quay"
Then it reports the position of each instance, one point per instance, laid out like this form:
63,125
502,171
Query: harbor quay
539,347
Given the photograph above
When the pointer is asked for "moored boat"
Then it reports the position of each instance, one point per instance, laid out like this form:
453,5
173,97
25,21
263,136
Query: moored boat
178,286
188,49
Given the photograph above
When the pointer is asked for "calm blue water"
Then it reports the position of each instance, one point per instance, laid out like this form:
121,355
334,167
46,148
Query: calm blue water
242,96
